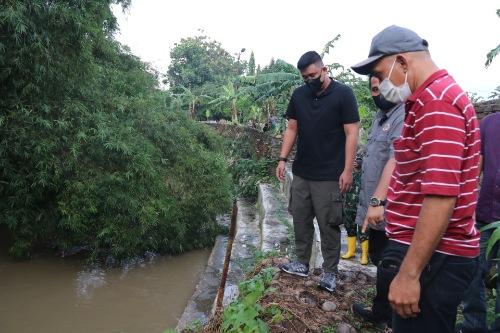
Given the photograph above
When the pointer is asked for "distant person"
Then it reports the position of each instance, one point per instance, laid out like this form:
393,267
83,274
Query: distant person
433,245
323,118
487,211
270,124
378,166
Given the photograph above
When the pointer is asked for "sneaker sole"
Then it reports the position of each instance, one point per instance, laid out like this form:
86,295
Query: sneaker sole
323,287
294,273
380,324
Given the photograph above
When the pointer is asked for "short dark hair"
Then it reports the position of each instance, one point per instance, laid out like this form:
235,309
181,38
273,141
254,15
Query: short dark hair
309,58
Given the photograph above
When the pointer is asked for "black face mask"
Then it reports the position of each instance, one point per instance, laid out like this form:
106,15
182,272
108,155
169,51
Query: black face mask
314,84
382,103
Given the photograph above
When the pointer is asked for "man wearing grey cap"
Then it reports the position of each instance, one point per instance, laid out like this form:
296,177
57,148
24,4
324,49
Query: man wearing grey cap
433,244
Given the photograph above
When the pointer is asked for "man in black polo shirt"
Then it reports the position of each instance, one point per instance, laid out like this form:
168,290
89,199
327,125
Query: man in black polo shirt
323,118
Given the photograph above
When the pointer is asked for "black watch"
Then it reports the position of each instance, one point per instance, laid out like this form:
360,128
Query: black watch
284,159
375,202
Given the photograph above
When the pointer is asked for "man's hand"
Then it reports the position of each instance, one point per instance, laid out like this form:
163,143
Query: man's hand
280,171
404,294
374,216
345,181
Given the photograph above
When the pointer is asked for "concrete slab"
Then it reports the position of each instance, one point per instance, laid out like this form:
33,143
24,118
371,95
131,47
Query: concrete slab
275,220
246,240
200,305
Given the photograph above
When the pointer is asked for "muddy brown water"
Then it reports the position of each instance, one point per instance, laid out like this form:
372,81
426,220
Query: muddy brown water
51,295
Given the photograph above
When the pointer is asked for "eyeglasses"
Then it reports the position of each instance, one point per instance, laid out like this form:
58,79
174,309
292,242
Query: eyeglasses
375,90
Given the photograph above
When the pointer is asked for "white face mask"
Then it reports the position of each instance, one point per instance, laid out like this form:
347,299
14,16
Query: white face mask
392,93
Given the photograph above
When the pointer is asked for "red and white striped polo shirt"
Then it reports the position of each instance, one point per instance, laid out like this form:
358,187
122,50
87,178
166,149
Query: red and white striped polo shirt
437,154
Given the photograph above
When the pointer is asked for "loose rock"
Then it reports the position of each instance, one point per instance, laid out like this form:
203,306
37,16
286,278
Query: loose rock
329,306
344,328
308,301
361,278
310,283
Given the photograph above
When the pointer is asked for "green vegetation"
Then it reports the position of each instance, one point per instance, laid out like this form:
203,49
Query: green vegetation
211,84
89,155
243,314
492,294
93,154
494,52
248,173
495,237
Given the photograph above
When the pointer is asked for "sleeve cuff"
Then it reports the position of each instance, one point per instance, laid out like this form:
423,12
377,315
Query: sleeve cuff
447,191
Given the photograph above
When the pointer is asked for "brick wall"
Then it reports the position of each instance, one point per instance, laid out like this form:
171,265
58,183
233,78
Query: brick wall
487,107
266,145
263,144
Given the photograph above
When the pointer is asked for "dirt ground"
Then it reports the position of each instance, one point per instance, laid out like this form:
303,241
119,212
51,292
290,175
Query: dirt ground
302,302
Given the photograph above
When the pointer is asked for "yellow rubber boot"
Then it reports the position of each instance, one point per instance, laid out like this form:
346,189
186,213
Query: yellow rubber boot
364,253
351,248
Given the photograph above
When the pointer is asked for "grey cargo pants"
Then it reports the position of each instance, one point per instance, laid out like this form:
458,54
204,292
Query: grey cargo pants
323,200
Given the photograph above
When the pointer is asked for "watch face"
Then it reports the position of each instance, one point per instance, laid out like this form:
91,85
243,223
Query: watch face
374,202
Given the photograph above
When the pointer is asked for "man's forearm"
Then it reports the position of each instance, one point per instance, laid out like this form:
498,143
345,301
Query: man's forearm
351,142
385,178
288,141
431,225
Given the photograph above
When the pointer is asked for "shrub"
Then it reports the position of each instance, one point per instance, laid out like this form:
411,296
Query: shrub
88,153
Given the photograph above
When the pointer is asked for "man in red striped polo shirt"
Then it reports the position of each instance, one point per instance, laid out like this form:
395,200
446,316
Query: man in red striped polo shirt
431,256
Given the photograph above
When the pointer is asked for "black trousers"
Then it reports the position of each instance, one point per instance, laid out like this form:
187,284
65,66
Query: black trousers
443,284
376,245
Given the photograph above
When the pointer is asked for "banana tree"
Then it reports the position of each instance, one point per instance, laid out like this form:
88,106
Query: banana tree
193,97
228,96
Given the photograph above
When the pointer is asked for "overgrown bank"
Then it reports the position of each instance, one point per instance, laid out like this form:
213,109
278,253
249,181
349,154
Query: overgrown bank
271,301
90,157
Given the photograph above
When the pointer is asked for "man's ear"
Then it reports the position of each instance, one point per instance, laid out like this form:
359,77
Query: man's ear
403,61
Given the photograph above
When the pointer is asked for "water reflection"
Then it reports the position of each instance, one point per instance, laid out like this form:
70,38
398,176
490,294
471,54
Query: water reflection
88,280
48,294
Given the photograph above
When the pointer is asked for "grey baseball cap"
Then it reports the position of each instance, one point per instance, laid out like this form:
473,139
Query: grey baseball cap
391,40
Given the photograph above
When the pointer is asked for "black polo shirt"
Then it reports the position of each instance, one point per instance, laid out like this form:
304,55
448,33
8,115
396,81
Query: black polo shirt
321,138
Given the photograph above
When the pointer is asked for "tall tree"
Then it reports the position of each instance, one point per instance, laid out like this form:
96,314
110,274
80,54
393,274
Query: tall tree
279,66
197,60
251,64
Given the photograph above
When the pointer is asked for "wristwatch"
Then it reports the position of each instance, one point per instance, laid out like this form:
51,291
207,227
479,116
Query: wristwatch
284,159
375,202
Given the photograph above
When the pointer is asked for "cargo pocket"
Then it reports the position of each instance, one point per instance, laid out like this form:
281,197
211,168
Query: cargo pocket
336,209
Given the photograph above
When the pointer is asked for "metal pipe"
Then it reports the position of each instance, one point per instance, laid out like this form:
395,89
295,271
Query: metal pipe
227,259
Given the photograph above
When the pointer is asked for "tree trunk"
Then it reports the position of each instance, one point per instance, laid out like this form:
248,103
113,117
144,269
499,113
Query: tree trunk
193,110
234,112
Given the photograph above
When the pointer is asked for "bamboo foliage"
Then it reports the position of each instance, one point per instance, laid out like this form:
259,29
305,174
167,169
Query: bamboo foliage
89,155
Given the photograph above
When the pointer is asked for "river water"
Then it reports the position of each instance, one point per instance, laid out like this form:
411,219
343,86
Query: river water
51,295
